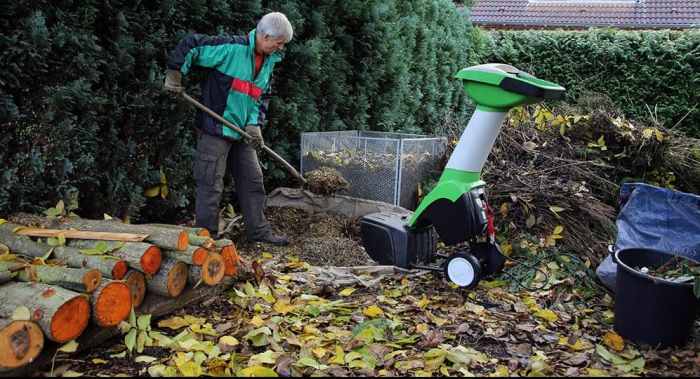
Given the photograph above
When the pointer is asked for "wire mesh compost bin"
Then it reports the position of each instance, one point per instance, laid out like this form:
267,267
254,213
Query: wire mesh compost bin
379,166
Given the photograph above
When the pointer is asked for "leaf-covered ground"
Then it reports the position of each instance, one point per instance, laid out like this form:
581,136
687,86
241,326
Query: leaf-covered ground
544,315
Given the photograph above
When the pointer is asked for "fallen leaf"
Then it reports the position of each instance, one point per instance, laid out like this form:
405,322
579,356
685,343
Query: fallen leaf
547,314
257,371
373,311
72,374
145,359
69,347
347,291
614,341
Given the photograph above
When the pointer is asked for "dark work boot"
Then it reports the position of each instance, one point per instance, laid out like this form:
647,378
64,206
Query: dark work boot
273,239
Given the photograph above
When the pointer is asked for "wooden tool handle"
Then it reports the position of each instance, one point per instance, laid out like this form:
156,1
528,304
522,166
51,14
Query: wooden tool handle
228,124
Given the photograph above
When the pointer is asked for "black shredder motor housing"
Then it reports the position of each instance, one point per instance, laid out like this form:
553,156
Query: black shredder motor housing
388,241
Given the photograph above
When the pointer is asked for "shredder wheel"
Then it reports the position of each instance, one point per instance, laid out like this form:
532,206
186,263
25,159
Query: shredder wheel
463,269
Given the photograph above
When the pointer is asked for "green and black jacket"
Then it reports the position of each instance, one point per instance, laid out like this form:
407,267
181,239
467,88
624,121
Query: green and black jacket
231,89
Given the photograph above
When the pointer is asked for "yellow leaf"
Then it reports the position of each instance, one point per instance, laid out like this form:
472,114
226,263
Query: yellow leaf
2,221
614,341
152,191
163,179
596,372
72,374
283,307
373,311
69,347
436,320
579,345
319,352
228,341
507,249
501,371
257,321
99,361
163,191
558,229
347,291
339,357
422,328
267,255
179,322
504,210
423,302
659,135
647,133
547,314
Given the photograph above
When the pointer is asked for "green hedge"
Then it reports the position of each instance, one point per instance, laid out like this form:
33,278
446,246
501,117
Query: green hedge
636,69
84,119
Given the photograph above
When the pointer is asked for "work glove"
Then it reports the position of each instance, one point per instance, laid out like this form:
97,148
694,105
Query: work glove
256,136
173,81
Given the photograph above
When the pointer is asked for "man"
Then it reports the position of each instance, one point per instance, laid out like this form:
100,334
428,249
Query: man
237,87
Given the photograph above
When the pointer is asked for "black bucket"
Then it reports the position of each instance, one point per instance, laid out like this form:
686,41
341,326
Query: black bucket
651,310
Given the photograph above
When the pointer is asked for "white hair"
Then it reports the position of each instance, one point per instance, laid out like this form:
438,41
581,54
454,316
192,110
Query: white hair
275,25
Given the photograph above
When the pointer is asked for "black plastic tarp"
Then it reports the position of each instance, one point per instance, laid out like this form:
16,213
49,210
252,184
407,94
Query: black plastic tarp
654,218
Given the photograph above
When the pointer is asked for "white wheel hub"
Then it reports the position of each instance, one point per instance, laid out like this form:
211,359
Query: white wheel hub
461,272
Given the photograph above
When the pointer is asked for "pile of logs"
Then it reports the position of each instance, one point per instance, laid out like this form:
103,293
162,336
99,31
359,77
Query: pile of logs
54,291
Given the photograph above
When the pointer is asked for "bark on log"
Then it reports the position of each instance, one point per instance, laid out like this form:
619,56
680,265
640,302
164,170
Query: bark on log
138,255
76,279
170,280
82,234
20,343
111,303
137,285
165,238
203,232
61,313
228,251
204,242
194,255
108,266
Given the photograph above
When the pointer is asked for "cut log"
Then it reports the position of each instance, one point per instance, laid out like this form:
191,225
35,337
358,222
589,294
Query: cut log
203,232
108,266
228,251
138,255
76,279
194,255
137,285
213,269
20,343
170,280
204,242
81,234
61,313
111,303
174,239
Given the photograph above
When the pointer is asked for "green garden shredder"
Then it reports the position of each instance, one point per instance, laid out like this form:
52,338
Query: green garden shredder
457,208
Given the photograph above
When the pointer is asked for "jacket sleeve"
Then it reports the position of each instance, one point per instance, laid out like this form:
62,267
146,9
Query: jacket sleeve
199,50
259,116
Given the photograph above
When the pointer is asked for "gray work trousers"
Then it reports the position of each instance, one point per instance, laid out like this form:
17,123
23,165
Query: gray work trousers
214,157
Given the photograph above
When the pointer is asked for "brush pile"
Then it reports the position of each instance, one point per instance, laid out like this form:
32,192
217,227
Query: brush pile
556,172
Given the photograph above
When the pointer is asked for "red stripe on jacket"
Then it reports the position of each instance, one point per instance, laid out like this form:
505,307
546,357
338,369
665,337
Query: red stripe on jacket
246,88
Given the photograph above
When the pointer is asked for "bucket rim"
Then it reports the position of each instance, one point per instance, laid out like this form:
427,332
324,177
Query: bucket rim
650,277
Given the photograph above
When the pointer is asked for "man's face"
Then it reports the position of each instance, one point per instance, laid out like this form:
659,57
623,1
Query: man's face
268,45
